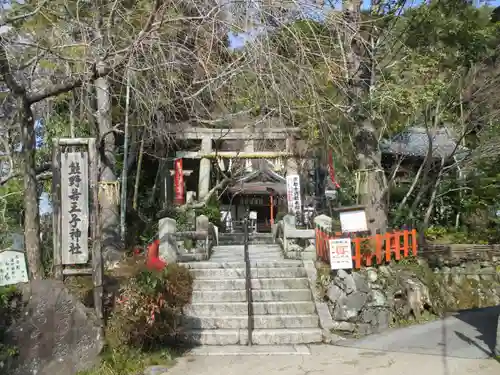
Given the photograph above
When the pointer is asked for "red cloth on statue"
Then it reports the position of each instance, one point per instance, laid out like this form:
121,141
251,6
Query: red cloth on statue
153,261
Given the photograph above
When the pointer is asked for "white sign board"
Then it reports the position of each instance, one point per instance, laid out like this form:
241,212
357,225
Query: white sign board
74,207
293,196
340,253
353,221
13,268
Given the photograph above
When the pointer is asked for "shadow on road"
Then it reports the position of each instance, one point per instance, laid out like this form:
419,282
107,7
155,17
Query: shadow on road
485,325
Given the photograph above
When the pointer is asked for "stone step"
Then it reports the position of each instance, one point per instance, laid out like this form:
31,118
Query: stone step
262,247
218,284
241,258
281,272
259,337
259,322
287,336
191,258
252,259
218,273
213,265
253,263
216,336
280,283
259,295
219,296
303,255
239,284
263,295
284,308
251,249
216,309
236,273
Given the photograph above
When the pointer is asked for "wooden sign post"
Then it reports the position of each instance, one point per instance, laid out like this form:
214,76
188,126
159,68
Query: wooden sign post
75,213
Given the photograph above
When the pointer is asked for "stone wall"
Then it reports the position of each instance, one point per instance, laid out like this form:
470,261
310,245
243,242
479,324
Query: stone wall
373,299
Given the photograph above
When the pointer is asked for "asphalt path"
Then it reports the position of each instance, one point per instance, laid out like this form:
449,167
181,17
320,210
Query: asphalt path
466,334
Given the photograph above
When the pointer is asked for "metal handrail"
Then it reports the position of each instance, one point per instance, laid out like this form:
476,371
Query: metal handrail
248,282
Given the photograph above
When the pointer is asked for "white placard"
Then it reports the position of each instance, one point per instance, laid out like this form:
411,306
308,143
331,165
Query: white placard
293,196
353,221
340,253
74,208
13,268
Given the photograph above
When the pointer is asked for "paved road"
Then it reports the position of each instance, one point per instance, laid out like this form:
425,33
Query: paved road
468,334
461,344
328,360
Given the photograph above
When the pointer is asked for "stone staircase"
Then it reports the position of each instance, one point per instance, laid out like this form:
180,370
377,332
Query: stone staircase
283,308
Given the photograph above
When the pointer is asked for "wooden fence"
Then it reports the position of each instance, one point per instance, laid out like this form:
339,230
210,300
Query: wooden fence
367,250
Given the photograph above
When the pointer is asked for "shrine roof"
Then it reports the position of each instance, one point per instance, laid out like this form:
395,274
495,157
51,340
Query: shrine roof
415,142
260,181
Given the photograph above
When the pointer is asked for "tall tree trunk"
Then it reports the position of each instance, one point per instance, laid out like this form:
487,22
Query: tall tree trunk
108,192
123,199
28,140
138,173
31,205
108,195
373,183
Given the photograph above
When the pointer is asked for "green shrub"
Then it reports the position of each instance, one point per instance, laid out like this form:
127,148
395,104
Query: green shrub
148,307
212,211
10,307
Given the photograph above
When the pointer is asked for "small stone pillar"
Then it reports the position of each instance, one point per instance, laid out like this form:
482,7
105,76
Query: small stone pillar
190,197
248,148
168,244
204,177
202,223
291,162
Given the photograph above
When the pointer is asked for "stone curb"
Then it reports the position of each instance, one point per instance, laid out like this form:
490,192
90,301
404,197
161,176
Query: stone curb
325,318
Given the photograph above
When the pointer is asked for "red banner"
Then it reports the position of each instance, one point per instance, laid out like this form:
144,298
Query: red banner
331,169
178,182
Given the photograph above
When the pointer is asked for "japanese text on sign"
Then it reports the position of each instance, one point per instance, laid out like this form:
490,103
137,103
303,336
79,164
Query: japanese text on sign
293,196
13,268
74,207
340,253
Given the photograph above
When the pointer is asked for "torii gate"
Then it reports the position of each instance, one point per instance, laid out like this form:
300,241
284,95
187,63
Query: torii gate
207,135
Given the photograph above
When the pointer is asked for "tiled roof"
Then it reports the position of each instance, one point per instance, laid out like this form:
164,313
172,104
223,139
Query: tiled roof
415,142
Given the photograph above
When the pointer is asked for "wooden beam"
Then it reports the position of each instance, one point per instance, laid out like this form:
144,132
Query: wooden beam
243,134
235,155
185,172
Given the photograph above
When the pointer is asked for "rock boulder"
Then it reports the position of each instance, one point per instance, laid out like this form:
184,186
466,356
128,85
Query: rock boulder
55,334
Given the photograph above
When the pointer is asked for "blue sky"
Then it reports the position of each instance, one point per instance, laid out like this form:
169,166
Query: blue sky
238,40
